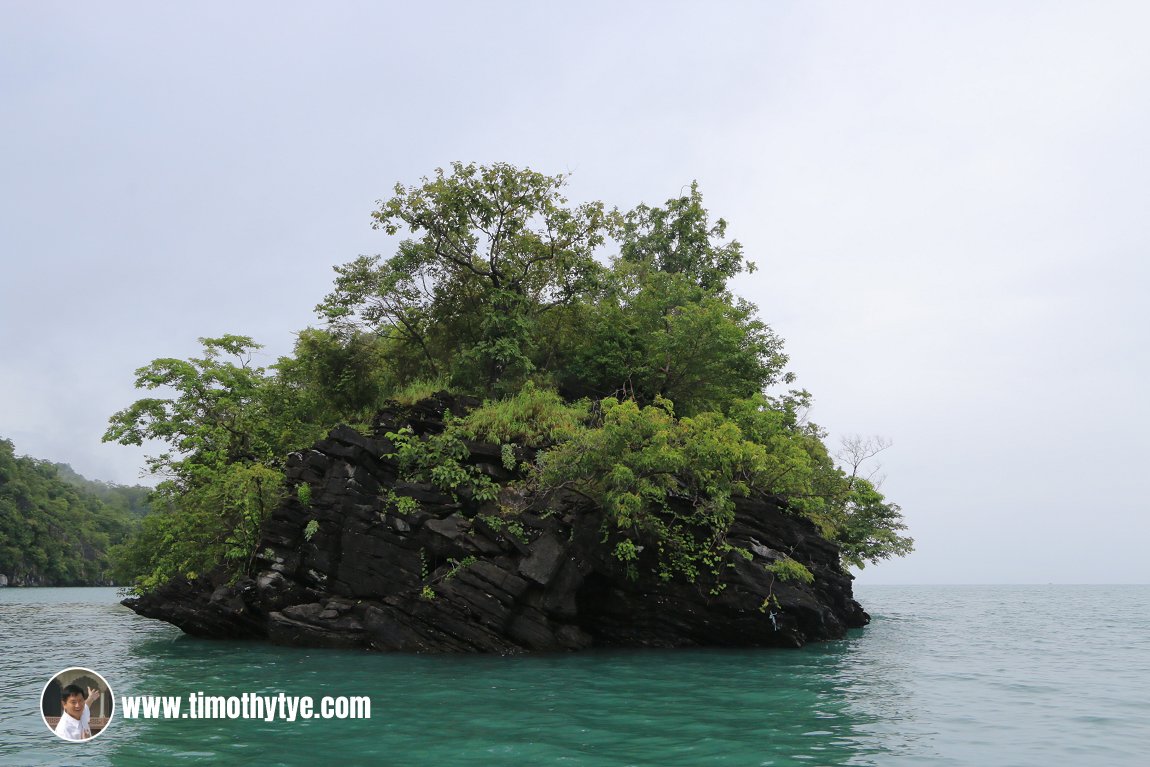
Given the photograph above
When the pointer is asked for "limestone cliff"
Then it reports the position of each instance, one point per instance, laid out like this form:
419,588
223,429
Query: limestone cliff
455,575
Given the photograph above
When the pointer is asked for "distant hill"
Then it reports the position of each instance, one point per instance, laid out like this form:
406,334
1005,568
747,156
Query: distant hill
130,498
57,527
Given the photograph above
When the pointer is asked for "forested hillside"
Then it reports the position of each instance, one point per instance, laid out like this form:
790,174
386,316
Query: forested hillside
132,499
58,528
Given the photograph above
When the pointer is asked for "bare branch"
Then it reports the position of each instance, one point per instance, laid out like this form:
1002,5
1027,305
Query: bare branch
857,450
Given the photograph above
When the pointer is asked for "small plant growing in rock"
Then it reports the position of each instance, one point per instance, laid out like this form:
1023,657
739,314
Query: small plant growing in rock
310,530
787,569
510,527
303,493
628,553
457,565
771,602
515,529
507,456
401,504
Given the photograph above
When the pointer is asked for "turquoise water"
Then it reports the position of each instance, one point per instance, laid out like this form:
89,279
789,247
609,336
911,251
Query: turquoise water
945,675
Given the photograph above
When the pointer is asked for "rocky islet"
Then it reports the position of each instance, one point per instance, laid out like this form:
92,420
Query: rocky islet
340,566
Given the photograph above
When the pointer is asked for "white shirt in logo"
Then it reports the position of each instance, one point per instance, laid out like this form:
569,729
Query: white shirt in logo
70,728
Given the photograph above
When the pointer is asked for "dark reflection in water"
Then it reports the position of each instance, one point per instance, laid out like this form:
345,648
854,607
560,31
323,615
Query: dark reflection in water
605,708
943,676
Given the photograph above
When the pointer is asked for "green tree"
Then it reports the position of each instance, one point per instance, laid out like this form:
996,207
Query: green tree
869,527
229,428
333,377
663,324
657,334
680,239
493,248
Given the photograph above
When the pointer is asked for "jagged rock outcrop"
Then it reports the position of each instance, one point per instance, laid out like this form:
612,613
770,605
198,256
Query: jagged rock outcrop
456,576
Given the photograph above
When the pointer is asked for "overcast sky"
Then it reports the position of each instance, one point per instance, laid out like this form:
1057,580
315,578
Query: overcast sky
947,202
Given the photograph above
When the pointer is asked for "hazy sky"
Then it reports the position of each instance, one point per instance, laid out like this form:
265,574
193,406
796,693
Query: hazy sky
947,202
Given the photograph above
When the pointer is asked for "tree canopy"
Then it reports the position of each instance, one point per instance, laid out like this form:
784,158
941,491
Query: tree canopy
503,289
493,249
57,528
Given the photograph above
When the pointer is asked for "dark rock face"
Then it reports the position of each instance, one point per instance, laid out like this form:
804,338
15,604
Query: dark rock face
455,576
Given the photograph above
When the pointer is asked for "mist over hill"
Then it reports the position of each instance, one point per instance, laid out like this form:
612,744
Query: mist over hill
58,528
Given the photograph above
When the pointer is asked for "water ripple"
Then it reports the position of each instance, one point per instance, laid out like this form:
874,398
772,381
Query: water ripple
943,676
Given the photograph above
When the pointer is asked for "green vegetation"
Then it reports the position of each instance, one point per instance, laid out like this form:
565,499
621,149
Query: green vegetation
230,426
533,417
130,499
441,460
635,461
639,381
58,528
787,569
400,504
457,565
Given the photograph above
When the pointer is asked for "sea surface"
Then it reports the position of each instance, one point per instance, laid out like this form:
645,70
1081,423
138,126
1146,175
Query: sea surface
944,675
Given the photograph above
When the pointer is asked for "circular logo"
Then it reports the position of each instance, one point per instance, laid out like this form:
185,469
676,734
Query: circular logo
77,704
